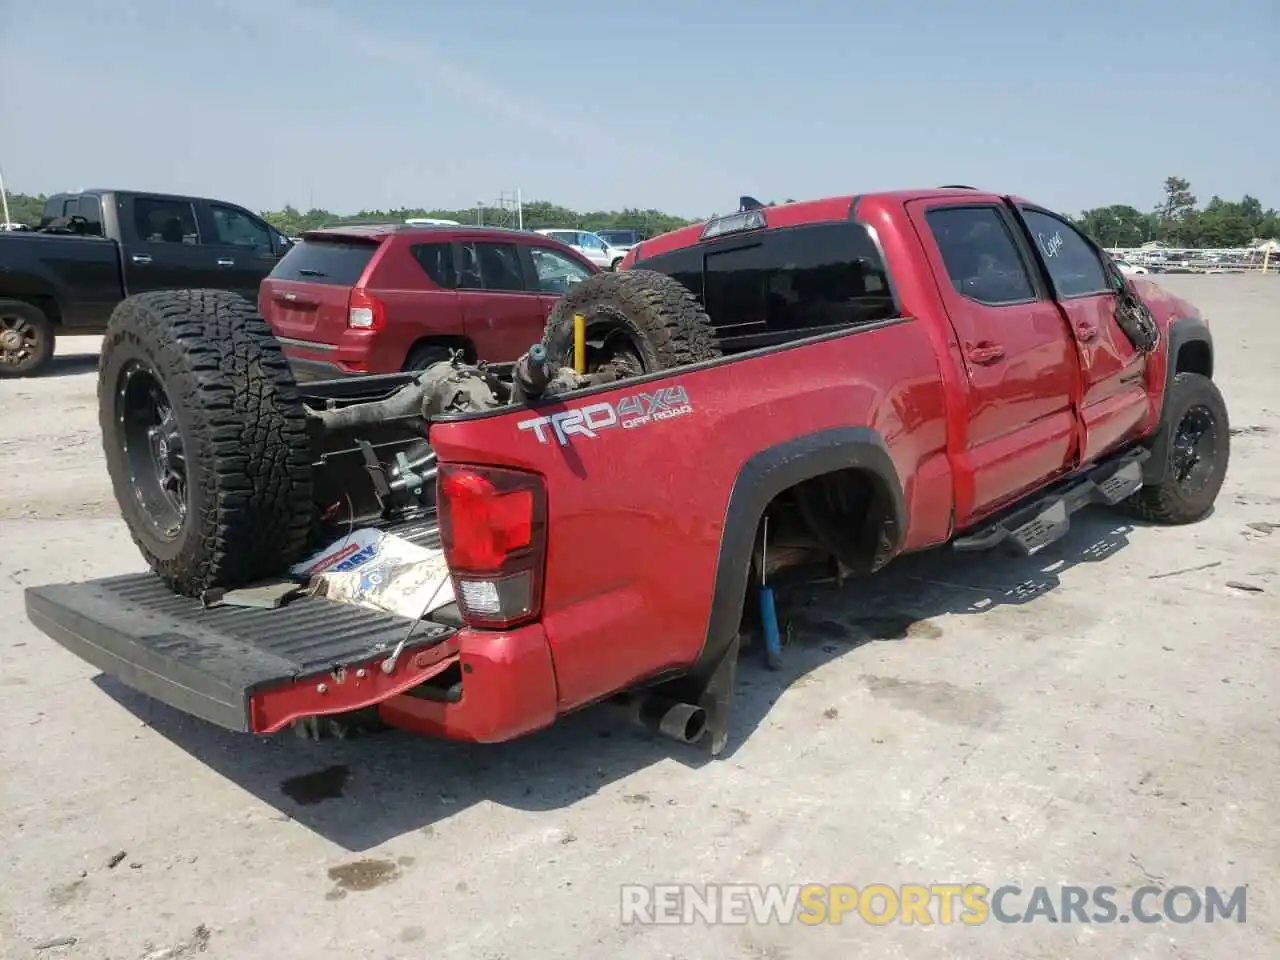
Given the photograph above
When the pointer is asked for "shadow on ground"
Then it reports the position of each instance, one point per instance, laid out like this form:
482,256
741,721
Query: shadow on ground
70,364
362,792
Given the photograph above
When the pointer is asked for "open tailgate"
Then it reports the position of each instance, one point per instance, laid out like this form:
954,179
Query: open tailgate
246,669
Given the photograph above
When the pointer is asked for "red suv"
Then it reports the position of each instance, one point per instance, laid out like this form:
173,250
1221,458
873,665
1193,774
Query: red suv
380,299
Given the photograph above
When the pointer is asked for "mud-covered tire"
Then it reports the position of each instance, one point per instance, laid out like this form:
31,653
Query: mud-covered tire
233,410
1192,399
32,334
663,320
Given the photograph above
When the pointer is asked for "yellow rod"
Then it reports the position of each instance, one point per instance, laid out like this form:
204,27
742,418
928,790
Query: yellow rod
579,343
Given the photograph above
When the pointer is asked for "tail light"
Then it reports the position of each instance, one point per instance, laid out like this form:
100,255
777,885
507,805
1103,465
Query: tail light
493,528
365,311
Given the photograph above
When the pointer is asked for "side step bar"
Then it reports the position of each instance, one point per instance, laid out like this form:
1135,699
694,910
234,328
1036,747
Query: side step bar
1033,526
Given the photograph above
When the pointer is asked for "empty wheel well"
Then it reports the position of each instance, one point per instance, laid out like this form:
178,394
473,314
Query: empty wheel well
847,515
1194,357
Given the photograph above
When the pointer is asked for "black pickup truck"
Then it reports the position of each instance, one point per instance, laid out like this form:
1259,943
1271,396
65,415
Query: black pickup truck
94,248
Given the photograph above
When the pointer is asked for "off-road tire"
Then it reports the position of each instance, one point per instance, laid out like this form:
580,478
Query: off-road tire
1170,501
243,430
41,328
664,321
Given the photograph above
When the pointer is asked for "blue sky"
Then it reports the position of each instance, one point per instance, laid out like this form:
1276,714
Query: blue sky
657,103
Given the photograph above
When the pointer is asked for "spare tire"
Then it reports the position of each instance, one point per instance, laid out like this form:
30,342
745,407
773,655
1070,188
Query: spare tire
205,439
640,321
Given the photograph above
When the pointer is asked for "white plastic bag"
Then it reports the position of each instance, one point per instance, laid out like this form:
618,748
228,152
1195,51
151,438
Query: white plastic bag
377,569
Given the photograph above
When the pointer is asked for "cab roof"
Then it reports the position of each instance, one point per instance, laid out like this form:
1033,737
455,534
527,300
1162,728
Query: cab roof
810,211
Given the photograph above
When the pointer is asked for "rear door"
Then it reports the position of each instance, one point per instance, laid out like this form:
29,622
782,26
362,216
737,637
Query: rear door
1018,354
163,248
307,295
503,312
243,247
1114,402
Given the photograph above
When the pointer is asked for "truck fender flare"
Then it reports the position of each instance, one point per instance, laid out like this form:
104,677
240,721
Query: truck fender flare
761,478
1182,331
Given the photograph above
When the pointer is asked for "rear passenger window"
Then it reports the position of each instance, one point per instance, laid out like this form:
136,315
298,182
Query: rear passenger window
1073,264
491,266
982,260
91,209
786,284
158,220
807,278
437,260
315,260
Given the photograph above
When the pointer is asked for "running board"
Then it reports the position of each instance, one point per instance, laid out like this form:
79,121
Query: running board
1032,527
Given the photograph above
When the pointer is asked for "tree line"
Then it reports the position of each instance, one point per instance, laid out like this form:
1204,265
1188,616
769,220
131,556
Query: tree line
1178,220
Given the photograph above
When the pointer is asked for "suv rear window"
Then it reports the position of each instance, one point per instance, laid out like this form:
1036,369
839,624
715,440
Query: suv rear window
325,261
785,284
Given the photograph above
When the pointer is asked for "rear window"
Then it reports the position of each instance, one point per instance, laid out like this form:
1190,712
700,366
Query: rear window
313,260
784,284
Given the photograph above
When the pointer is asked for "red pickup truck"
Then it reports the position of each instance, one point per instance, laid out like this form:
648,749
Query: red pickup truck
871,375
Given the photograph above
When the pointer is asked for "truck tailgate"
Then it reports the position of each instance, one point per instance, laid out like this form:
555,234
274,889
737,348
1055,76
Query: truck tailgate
241,668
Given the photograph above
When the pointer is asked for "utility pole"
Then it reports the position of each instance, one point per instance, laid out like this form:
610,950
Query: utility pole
4,198
519,210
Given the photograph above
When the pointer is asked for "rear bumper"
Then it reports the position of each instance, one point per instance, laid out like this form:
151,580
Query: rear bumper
507,689
311,360
306,370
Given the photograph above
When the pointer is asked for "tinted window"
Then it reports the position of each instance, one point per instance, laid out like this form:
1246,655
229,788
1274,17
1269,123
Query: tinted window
589,241
437,260
556,271
236,229
91,209
325,261
785,282
980,255
1073,264
165,221
683,265
491,266
824,275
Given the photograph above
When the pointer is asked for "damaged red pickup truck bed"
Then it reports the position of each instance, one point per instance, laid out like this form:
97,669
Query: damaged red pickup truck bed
898,371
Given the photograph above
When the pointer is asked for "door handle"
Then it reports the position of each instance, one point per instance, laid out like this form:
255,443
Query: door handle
226,263
986,352
140,258
1086,331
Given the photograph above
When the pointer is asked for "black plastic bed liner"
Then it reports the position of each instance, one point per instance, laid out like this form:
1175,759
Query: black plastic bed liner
210,662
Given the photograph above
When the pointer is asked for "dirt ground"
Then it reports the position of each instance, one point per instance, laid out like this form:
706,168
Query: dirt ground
1103,715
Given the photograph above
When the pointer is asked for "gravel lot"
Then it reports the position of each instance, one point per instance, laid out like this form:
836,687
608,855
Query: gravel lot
1093,717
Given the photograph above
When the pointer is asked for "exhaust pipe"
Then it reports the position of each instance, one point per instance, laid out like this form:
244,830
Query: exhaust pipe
685,722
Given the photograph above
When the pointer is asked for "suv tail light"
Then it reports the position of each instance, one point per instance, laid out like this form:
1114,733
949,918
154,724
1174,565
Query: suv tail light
493,528
365,311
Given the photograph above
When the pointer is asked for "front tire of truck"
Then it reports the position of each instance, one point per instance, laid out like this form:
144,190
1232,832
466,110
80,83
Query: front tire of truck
637,322
205,439
1198,450
27,339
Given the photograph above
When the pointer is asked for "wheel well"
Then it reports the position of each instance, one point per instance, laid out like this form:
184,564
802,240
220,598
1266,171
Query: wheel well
846,514
46,305
452,343
1194,356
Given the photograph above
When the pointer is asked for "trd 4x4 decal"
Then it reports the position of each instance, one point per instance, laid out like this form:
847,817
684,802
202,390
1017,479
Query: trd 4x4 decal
631,411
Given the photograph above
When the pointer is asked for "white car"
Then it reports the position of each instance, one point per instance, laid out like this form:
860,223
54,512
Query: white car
1129,269
589,245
